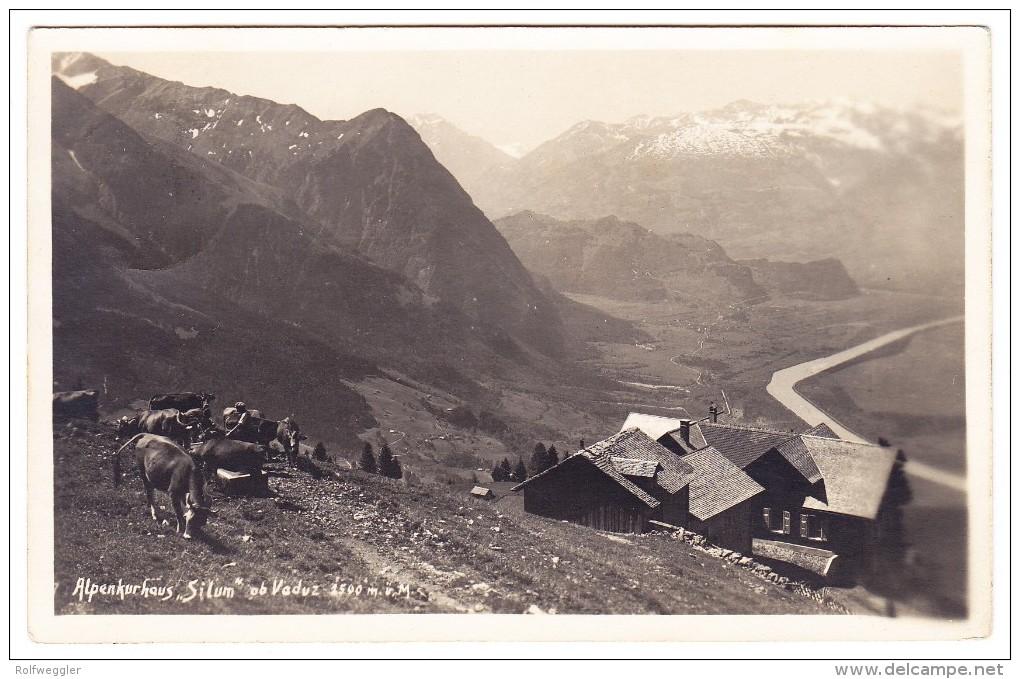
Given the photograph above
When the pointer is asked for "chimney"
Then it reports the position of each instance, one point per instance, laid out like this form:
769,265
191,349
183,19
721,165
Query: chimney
713,411
685,431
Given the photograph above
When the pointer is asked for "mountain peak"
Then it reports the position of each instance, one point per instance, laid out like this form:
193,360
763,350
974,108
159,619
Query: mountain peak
422,119
77,69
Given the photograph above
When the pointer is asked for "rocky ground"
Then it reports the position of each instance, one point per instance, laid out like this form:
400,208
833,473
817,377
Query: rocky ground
353,542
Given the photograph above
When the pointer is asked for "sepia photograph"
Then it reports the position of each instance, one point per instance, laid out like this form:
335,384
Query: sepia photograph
539,325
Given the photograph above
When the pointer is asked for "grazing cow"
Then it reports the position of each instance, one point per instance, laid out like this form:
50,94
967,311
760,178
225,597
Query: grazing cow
288,433
163,464
254,428
182,401
234,456
170,423
202,420
76,404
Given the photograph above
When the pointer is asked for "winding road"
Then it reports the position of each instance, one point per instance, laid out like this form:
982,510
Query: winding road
782,389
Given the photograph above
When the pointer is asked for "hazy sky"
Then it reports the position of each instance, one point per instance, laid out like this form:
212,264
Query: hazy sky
526,97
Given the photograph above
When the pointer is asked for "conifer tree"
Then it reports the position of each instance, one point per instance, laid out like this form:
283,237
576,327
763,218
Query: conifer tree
505,470
554,457
386,461
497,473
520,471
539,459
368,462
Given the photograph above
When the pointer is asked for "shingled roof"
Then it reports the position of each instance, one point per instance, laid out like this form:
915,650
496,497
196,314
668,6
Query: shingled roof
631,452
629,466
796,452
739,444
674,473
856,475
822,430
718,484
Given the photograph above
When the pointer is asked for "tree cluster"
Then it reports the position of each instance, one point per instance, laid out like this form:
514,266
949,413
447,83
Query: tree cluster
504,472
386,465
543,458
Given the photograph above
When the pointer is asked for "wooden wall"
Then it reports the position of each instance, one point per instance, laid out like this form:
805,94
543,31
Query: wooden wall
578,492
730,529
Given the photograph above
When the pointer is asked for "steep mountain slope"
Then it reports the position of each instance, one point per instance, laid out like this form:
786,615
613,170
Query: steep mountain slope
623,260
467,157
170,271
368,183
880,189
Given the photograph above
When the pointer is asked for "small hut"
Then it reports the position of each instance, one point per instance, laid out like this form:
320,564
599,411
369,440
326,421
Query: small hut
483,493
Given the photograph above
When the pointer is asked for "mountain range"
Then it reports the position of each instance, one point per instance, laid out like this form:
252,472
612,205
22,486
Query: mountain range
204,237
178,268
881,189
623,260
368,184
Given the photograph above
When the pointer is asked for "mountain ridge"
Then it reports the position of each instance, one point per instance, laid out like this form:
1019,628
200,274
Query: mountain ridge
623,260
370,183
877,187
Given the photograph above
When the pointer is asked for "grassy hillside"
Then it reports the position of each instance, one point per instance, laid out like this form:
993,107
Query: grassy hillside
355,543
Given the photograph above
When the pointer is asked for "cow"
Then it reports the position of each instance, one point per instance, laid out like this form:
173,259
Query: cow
231,416
203,422
84,403
163,464
182,401
235,456
169,423
253,428
288,433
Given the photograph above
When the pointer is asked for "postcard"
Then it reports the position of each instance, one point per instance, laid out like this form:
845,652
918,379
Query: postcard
495,333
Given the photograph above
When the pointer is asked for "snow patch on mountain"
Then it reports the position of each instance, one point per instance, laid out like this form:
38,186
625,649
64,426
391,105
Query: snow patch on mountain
702,140
79,81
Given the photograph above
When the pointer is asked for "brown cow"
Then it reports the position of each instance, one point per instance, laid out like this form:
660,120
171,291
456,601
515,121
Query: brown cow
182,401
235,456
289,435
170,423
163,464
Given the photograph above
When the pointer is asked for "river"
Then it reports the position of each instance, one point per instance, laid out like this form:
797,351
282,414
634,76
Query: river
781,388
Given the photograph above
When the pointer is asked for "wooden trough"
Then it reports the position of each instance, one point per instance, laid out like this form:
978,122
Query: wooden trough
236,483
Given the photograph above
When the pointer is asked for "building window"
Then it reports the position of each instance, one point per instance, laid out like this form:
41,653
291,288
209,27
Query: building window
814,527
776,521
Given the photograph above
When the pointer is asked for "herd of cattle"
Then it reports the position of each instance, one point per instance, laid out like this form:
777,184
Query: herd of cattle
178,446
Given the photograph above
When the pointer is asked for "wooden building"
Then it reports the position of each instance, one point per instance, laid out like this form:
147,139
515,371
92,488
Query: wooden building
722,500
822,495
482,493
617,485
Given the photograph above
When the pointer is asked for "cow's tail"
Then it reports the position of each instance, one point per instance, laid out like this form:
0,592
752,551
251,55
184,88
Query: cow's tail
116,459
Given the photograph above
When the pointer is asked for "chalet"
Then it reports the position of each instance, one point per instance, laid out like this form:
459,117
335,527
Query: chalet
618,485
628,480
822,495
